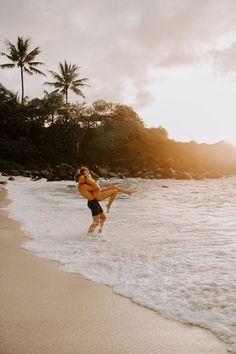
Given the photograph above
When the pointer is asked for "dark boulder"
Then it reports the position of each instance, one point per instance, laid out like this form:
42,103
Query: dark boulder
168,173
64,172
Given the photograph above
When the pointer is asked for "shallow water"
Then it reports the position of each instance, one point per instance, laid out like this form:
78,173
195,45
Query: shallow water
171,246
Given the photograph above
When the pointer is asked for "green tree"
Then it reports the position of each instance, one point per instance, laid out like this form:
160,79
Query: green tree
20,56
67,80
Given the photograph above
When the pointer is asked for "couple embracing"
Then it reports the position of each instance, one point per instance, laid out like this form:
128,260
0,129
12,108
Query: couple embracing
91,190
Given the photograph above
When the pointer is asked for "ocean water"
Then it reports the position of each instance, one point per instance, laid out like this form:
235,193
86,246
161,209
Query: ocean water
170,247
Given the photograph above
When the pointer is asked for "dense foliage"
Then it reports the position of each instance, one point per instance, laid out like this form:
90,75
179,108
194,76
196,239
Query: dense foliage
48,132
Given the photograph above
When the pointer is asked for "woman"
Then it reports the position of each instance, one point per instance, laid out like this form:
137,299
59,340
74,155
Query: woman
105,192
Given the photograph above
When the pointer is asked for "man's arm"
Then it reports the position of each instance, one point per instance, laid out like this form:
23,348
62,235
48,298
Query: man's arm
90,182
89,188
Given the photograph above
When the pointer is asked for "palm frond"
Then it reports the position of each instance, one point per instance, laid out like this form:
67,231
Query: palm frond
77,91
73,76
54,91
7,55
80,82
63,69
23,46
36,71
56,76
7,66
54,84
74,70
36,63
28,71
63,90
30,56
12,51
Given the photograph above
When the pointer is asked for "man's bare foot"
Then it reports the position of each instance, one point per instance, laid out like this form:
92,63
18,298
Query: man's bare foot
90,231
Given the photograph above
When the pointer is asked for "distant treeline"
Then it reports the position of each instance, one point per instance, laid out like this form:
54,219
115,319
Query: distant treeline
46,132
43,133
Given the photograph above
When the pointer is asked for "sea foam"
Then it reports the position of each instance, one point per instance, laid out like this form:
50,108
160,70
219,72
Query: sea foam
171,249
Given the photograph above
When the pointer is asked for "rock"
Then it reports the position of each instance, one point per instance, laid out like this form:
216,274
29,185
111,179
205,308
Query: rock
183,175
64,171
27,173
102,171
168,173
3,183
146,175
44,173
113,175
158,176
197,176
51,177
158,170
8,166
14,173
94,175
11,178
123,171
121,176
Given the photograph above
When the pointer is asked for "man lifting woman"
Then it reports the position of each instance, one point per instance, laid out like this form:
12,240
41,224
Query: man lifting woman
91,190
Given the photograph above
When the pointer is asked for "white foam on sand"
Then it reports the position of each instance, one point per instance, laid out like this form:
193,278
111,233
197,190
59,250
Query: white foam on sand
171,249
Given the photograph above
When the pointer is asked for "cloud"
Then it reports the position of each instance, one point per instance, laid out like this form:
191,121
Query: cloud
116,43
224,60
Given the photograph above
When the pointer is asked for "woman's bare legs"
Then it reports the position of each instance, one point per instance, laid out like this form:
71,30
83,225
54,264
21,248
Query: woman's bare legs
119,189
110,201
110,192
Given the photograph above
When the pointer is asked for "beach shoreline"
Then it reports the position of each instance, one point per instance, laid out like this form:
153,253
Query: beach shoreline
45,310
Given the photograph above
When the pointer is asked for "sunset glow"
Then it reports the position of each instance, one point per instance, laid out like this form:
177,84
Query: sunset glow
172,61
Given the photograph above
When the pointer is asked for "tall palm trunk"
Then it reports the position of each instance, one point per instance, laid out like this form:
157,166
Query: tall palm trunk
22,85
66,96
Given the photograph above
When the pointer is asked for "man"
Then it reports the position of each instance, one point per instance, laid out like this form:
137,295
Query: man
92,191
86,190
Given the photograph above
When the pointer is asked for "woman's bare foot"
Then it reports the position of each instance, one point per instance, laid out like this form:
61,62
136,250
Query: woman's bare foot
108,205
131,192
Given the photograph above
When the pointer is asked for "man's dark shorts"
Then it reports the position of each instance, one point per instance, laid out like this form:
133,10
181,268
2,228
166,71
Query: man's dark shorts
95,207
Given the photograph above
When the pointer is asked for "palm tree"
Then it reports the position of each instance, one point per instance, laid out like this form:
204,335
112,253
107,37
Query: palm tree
20,56
67,79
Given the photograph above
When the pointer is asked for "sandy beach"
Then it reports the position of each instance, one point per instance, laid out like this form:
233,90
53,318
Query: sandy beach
47,311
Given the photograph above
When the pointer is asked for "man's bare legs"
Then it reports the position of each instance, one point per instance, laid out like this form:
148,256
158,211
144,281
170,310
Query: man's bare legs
101,222
95,223
97,220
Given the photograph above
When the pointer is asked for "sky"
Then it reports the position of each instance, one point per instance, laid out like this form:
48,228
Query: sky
172,61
